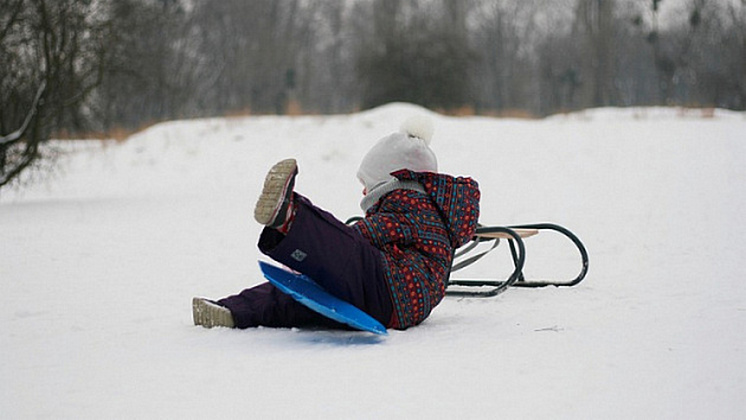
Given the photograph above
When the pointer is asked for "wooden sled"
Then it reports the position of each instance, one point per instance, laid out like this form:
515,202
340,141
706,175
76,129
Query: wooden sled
513,235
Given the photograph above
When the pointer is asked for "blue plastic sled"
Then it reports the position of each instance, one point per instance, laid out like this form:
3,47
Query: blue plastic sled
310,294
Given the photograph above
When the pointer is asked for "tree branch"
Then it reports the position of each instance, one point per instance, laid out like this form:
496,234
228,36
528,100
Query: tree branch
13,137
28,157
11,19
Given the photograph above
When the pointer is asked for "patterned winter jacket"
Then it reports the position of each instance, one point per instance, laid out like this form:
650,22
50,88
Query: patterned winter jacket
417,233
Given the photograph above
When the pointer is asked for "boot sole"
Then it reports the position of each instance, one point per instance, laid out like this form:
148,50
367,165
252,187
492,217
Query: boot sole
208,314
275,186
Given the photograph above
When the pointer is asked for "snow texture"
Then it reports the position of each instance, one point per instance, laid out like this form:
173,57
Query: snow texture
98,267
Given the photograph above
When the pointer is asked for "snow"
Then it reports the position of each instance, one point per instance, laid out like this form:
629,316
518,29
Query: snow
99,264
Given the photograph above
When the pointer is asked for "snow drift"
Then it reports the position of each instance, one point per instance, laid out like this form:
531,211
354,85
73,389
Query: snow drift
99,266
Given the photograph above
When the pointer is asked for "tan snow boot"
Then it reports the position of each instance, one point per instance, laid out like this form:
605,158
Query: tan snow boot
209,314
272,206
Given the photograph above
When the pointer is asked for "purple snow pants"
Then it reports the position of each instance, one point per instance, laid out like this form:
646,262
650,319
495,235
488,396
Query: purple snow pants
326,250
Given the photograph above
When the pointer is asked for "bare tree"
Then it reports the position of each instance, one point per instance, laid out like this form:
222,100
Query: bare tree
500,39
124,63
715,71
52,49
148,66
417,55
15,155
736,51
595,24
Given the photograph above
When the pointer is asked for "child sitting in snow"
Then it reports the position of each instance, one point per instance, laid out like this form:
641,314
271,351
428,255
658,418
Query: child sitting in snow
393,264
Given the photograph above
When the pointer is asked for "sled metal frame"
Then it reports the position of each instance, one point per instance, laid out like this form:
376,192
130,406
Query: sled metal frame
514,236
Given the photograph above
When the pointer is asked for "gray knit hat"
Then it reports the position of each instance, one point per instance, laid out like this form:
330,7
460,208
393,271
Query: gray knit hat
407,149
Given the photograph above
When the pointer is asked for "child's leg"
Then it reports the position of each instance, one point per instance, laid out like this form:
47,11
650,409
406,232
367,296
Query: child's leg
267,306
334,255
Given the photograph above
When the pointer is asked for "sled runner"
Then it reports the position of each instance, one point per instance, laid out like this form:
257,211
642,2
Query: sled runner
310,294
513,235
470,253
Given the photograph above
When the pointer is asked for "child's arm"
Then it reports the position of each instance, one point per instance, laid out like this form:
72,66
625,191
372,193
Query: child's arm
382,229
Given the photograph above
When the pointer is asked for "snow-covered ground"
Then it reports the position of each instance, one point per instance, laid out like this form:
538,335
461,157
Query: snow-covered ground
98,267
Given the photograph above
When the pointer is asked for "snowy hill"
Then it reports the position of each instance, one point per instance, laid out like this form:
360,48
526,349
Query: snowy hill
98,267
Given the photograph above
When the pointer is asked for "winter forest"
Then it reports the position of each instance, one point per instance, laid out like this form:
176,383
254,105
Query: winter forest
77,67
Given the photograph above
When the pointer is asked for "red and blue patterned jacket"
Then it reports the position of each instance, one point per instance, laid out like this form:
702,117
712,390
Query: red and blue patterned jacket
417,234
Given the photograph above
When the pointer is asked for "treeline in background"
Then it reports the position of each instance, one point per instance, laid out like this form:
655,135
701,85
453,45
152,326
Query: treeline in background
68,67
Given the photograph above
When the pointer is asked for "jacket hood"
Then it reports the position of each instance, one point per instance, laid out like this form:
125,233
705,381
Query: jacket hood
456,198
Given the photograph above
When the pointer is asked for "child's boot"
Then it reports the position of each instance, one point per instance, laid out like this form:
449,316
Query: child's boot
273,209
209,314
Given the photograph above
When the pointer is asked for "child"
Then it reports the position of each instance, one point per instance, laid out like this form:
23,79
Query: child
393,264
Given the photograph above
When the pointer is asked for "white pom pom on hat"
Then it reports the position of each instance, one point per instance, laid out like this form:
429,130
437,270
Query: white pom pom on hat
419,126
406,149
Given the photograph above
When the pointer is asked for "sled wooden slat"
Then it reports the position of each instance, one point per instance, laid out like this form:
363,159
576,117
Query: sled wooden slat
523,233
